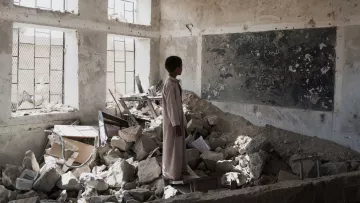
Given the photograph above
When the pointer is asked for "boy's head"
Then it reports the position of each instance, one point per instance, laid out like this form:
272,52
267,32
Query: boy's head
173,65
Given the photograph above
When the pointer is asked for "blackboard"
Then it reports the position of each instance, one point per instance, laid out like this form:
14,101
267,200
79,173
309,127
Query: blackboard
286,68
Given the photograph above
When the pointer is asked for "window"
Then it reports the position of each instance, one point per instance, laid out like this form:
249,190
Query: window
53,5
41,66
120,66
130,11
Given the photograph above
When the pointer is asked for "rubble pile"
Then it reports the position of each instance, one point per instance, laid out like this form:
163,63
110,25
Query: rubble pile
128,168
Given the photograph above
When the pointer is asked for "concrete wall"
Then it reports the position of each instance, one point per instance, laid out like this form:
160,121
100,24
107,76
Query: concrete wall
92,25
183,24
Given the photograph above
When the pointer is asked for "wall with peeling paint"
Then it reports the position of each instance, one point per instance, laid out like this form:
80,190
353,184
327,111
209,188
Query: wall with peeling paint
19,134
185,22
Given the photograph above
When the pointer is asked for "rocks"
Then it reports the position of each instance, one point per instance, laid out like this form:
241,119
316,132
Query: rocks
333,168
283,176
230,152
194,124
121,171
354,165
129,186
103,199
27,200
29,194
88,193
257,163
30,162
217,142
84,169
49,175
193,157
239,178
214,135
143,147
111,157
170,192
62,197
213,120
258,143
6,195
131,134
68,182
120,143
224,166
159,187
241,143
141,194
90,180
149,170
309,166
10,174
210,158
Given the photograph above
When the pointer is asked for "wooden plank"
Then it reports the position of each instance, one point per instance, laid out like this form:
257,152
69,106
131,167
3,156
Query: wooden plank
120,122
76,131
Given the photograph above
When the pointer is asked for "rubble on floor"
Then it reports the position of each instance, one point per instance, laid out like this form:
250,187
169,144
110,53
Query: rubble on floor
128,168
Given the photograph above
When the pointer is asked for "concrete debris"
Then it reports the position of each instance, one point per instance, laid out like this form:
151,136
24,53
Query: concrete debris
219,149
210,158
27,200
284,176
78,171
89,180
131,134
63,196
121,171
257,163
258,143
230,152
193,157
149,170
143,147
159,187
141,194
354,165
308,166
265,180
217,142
241,143
201,166
88,193
30,162
26,180
214,135
120,143
333,168
112,156
10,174
230,177
132,201
6,195
49,175
103,199
170,192
224,166
68,182
130,186
194,124
29,194
213,120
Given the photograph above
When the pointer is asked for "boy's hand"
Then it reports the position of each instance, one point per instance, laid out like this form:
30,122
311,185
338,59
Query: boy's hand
178,130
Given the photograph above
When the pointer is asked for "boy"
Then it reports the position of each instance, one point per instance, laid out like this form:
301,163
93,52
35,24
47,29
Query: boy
174,164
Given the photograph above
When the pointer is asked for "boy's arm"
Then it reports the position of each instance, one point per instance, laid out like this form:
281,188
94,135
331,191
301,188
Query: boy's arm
171,108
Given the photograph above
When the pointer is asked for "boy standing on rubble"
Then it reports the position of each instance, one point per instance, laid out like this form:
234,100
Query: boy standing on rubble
174,164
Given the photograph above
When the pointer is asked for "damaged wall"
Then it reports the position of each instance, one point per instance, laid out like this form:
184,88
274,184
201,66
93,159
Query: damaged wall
19,134
185,22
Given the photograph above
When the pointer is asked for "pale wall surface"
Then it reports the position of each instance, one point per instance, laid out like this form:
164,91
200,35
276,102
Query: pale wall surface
185,22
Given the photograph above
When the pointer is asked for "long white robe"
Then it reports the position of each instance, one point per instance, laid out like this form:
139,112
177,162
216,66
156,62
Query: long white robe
174,154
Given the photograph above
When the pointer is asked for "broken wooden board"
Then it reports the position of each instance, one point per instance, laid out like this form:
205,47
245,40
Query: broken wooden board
84,150
76,131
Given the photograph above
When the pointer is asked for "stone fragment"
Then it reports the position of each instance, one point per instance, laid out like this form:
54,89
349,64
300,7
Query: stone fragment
130,186
258,143
210,158
257,163
102,150
90,180
159,187
230,152
132,201
143,147
213,120
88,193
63,196
111,157
170,192
103,199
68,182
206,126
131,134
78,171
121,171
224,166
10,174
219,149
200,173
29,194
141,194
193,157
201,166
308,165
194,124
239,178
149,170
217,142
354,165
284,176
49,175
6,195
30,162
214,135
120,143
334,168
27,200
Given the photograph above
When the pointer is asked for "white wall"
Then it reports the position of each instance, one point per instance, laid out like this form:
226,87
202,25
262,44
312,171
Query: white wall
142,61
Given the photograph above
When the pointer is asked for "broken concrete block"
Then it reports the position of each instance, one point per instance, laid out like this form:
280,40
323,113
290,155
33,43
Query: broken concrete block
141,194
219,149
230,177
265,180
170,192
10,174
78,171
49,175
27,200
193,157
88,193
121,171
111,157
224,166
90,180
30,162
63,196
29,194
132,201
333,168
6,195
284,176
257,163
26,180
213,120
215,135
308,165
217,142
68,182
101,151
120,143
130,186
258,143
158,187
230,152
210,158
143,147
103,199
149,170
194,124
131,134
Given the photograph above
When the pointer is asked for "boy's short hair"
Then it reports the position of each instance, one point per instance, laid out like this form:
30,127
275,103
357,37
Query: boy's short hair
172,62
